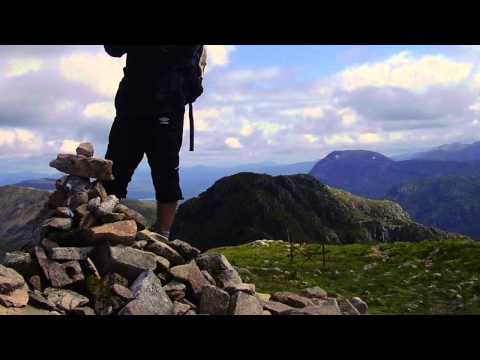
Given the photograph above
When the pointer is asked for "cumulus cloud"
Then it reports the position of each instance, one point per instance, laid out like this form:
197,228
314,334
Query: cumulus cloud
18,142
219,55
99,72
69,146
233,143
407,72
19,67
105,110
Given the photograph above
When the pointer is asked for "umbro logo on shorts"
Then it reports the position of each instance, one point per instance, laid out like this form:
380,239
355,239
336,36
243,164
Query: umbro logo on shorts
164,120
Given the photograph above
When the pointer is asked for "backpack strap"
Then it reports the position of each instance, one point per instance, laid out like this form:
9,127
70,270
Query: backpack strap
192,126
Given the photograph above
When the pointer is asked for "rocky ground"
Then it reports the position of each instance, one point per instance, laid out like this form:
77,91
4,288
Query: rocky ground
96,257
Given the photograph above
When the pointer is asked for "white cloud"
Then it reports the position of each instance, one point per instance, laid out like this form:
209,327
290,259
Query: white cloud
311,138
247,128
339,140
348,116
219,55
476,80
69,146
105,110
269,128
475,107
369,138
233,143
20,67
14,142
64,106
406,71
206,119
316,112
253,75
99,72
396,136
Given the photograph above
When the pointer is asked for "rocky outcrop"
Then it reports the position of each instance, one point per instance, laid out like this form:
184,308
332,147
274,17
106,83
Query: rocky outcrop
247,207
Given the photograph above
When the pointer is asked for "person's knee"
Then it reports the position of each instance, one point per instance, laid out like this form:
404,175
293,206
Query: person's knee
166,181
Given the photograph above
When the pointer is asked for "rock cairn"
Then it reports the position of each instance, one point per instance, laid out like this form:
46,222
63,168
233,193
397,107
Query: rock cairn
97,257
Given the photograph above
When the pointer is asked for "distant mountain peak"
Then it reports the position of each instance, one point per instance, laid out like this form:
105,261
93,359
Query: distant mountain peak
356,154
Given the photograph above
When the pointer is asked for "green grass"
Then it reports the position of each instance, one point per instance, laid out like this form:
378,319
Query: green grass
391,278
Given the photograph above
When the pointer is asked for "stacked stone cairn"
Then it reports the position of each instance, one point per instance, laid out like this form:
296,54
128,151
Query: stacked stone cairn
97,257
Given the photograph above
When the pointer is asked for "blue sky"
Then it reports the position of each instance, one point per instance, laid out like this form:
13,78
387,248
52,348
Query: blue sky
262,103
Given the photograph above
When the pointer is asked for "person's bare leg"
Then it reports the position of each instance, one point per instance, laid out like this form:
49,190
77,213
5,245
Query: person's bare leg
165,217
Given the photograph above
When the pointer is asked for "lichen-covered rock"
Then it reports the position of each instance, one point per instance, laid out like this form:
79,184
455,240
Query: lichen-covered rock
209,278
275,308
122,292
77,199
13,289
70,253
214,301
131,214
291,299
360,305
126,261
97,190
327,308
165,251
187,251
85,149
175,290
163,265
63,224
94,204
74,184
150,297
21,262
180,309
59,275
65,300
84,167
107,206
347,308
246,288
314,293
83,311
37,299
122,232
151,237
244,304
190,275
220,268
113,218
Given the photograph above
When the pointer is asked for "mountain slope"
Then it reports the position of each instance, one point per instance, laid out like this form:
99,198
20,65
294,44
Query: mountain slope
449,203
19,212
372,175
247,207
452,152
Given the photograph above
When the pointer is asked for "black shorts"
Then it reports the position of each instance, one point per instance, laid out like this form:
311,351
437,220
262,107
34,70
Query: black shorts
160,138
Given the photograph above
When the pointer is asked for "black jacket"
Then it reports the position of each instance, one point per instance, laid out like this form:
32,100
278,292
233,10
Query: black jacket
150,82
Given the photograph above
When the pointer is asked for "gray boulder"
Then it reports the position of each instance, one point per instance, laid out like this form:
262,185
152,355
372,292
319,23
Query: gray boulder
214,301
150,297
220,268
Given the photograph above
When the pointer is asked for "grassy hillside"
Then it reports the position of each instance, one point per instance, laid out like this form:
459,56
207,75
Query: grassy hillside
431,277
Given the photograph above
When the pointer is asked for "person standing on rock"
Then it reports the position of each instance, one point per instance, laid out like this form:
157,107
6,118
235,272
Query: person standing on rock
150,107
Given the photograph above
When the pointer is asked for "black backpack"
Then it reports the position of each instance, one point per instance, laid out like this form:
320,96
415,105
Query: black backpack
192,73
